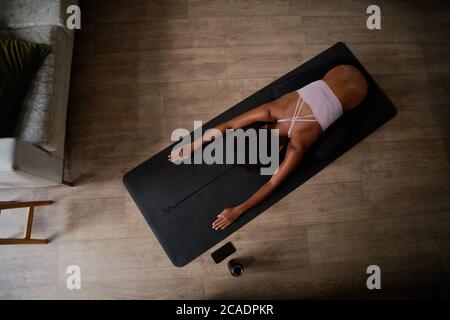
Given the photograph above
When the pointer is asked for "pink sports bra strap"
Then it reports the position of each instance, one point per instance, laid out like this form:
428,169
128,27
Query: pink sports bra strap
297,117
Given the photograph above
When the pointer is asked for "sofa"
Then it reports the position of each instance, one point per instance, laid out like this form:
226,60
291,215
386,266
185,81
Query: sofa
34,155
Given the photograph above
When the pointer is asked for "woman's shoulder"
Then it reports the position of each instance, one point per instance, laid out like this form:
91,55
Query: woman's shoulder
302,137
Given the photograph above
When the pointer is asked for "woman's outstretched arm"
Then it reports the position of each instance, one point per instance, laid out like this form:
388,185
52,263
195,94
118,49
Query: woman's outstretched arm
258,114
293,156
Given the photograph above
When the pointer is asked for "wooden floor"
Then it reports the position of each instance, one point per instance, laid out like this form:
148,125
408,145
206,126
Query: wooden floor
143,68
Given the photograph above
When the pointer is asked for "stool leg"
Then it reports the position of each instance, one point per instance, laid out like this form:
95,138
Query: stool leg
29,225
30,215
22,241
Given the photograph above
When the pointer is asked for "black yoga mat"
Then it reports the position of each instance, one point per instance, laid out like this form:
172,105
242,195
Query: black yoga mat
180,202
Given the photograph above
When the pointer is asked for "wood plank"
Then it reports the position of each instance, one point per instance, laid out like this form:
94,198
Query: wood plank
352,8
396,29
262,61
274,61
326,203
368,240
136,10
197,33
150,66
237,8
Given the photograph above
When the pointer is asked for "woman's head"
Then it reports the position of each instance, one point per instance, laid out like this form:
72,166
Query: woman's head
348,83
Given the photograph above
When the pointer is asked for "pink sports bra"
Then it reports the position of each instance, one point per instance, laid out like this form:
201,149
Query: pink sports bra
325,106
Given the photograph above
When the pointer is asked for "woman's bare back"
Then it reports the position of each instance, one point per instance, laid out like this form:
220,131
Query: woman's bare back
346,82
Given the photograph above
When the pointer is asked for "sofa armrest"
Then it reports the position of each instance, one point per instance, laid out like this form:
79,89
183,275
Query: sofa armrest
26,13
25,165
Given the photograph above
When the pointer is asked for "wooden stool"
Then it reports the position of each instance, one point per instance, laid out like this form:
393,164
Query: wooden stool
27,233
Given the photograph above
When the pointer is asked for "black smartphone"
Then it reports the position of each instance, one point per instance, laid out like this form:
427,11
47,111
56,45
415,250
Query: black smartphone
223,252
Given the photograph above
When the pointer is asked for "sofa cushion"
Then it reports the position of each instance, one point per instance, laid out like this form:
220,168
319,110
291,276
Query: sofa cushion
19,62
43,117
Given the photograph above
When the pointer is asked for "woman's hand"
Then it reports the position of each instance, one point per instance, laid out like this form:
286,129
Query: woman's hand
184,152
225,218
180,153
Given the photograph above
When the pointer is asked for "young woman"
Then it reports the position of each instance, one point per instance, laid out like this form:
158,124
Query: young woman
300,116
